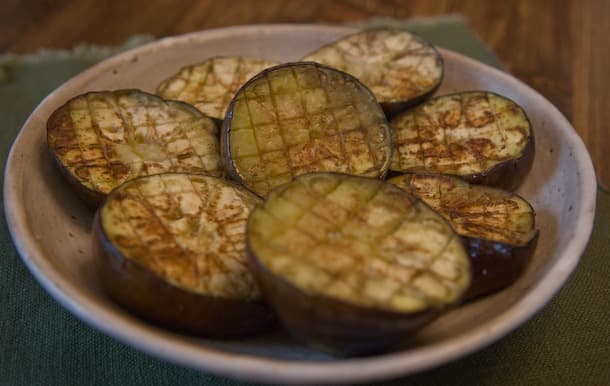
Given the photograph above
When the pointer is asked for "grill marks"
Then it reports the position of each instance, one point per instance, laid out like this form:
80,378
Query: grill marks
189,230
107,138
395,64
299,118
461,134
473,210
359,240
211,84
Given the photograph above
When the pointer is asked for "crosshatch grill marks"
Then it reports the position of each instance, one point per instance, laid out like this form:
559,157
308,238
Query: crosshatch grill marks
474,210
361,127
188,229
273,98
184,250
299,118
80,145
233,85
311,141
116,136
474,143
191,152
342,146
126,129
500,128
373,254
211,84
259,153
395,64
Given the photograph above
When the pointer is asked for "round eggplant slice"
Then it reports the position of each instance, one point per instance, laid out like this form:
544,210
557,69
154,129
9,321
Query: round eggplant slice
299,118
497,227
399,67
211,84
171,249
481,137
102,139
354,265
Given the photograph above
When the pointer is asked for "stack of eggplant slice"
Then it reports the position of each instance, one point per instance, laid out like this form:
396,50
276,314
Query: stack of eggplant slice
284,213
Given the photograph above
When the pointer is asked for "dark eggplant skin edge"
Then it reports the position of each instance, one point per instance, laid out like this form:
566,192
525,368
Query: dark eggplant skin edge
93,198
496,265
337,327
225,130
396,107
391,109
510,174
334,326
225,152
152,298
507,175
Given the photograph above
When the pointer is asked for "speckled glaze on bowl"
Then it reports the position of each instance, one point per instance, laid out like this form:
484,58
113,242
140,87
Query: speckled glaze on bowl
50,226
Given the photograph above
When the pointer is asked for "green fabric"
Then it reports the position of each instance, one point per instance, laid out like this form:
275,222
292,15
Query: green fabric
568,343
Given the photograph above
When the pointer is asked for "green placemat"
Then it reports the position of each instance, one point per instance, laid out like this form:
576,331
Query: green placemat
568,343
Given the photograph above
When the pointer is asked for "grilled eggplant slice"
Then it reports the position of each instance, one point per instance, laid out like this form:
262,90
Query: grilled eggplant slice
354,265
479,136
102,139
171,249
498,227
299,118
211,84
399,67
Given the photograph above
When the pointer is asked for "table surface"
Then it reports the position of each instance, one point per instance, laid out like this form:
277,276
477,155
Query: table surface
550,45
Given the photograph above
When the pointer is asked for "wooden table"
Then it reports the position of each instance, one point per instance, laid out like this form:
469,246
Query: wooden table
557,47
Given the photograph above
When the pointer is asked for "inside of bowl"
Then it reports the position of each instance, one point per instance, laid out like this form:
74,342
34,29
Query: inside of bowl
59,222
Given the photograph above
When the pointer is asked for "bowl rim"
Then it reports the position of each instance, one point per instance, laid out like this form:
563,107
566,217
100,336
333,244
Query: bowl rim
180,350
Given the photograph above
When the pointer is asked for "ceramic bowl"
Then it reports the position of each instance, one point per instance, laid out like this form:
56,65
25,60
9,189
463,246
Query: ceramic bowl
50,226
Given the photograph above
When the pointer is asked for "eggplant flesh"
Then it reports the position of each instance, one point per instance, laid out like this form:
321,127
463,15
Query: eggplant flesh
353,265
497,227
211,84
479,136
399,67
102,139
171,248
298,118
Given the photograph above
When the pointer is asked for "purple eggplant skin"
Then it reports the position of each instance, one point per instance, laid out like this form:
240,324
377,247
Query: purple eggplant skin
336,327
507,175
225,153
495,265
152,298
391,109
226,127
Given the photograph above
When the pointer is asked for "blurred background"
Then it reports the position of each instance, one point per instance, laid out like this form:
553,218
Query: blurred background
557,47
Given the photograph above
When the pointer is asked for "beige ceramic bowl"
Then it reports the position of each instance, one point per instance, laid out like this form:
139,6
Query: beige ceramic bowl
50,226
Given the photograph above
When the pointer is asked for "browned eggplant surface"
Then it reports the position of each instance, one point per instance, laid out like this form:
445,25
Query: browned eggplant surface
498,227
480,136
400,68
171,249
211,84
299,118
352,264
102,139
